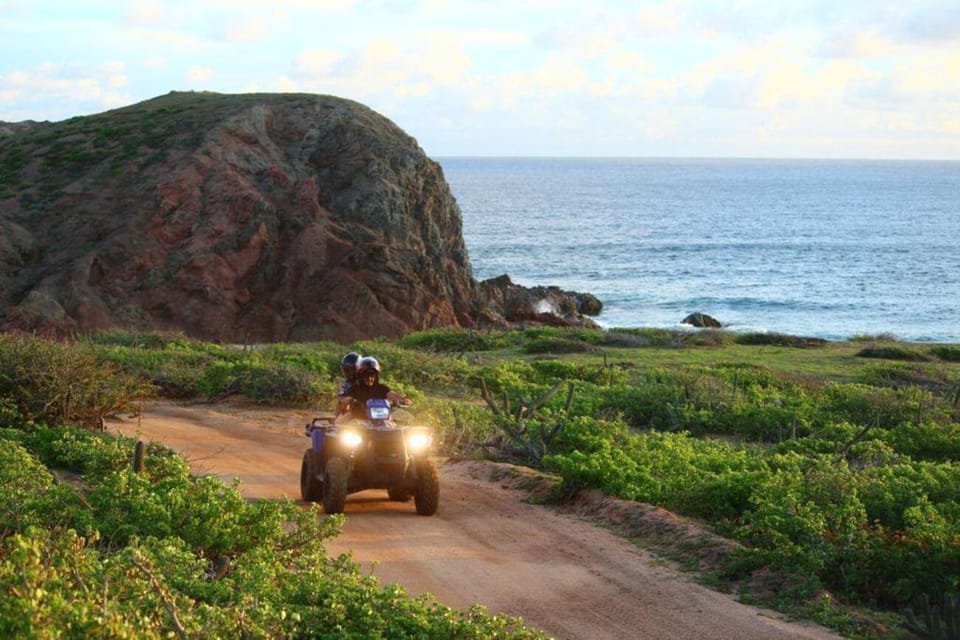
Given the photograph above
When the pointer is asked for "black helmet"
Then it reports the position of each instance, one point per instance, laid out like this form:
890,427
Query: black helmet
366,365
348,365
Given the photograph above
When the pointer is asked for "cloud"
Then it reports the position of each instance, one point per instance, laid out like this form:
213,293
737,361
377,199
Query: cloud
383,67
315,63
143,13
926,22
197,74
155,62
858,44
604,75
37,92
247,31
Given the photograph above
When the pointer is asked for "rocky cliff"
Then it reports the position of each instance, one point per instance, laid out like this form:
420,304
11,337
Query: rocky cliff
268,217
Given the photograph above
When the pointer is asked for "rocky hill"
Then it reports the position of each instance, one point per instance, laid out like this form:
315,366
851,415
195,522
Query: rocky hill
254,217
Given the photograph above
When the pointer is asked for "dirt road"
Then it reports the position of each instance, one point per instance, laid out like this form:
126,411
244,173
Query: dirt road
485,544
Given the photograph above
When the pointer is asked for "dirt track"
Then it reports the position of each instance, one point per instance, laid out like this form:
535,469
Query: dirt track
485,545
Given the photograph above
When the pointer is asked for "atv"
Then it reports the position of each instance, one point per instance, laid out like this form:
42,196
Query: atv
373,453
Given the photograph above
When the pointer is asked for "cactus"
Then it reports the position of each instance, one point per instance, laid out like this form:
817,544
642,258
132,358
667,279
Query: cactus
139,454
535,444
935,623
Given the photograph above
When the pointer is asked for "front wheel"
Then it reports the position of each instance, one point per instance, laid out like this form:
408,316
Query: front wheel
427,497
335,485
311,488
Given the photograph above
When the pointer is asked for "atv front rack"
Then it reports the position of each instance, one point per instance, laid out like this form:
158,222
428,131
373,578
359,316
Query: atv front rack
322,423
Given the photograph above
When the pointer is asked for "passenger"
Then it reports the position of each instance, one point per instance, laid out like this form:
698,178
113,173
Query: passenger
348,367
369,387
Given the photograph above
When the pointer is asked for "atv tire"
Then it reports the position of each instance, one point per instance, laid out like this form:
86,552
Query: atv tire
399,495
311,487
335,485
427,497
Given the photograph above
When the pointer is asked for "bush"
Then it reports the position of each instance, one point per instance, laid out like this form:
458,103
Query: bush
947,354
892,352
457,340
926,441
590,336
547,372
136,339
55,383
646,337
779,340
29,495
163,556
277,383
880,407
555,345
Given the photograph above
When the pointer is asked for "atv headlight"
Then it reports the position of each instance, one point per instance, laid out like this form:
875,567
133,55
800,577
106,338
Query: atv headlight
351,439
419,441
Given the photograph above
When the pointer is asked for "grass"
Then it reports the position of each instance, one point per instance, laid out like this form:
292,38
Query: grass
836,361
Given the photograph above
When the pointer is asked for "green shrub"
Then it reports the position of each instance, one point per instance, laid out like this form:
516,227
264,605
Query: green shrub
946,353
549,371
779,340
881,407
665,338
29,495
880,337
54,383
892,352
157,556
590,336
904,375
555,345
277,383
458,340
136,339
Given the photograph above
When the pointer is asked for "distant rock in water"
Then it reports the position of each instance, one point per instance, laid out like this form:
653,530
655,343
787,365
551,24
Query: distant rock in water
256,217
701,320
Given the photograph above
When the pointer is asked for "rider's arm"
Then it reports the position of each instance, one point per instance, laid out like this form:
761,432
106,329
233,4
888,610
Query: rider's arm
397,399
344,398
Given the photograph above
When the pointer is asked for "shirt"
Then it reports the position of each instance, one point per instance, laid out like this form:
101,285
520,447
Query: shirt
361,392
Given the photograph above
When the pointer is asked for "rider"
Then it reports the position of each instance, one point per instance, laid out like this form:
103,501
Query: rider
368,387
348,367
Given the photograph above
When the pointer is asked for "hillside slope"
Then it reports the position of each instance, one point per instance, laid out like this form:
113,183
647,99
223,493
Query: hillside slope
254,217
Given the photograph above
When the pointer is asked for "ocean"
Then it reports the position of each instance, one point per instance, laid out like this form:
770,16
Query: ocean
821,248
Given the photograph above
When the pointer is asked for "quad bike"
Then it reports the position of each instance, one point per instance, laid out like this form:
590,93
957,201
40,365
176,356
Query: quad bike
373,453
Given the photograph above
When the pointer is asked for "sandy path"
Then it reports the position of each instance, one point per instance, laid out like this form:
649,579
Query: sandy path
485,544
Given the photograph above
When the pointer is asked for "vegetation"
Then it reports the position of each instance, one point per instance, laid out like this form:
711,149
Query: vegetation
90,547
835,466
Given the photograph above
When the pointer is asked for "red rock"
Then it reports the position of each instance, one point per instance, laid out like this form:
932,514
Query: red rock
240,218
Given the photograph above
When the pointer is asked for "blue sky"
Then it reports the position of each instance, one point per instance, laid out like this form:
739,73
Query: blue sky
703,78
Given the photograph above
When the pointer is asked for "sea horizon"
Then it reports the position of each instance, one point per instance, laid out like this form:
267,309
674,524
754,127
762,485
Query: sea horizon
440,158
830,248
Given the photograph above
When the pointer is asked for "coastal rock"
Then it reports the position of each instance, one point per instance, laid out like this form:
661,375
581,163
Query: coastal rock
241,218
701,320
536,305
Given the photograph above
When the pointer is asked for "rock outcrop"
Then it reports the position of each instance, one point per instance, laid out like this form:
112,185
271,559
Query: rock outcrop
516,304
241,218
702,321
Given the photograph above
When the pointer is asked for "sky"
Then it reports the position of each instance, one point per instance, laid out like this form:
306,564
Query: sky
680,78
